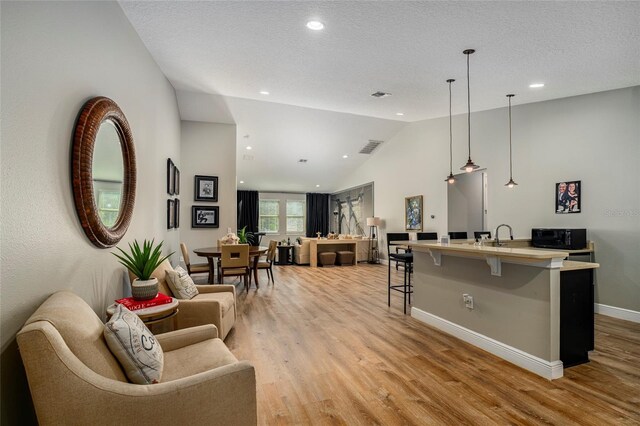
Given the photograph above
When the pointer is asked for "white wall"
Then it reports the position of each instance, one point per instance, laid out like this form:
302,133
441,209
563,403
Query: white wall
594,138
207,149
56,56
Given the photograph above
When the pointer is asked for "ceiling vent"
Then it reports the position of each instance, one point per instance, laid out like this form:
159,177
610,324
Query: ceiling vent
380,94
247,157
370,147
302,160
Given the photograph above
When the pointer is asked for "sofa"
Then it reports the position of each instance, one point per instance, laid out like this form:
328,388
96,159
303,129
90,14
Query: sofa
301,252
74,378
215,304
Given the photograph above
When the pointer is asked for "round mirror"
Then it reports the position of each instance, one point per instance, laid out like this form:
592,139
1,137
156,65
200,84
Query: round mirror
108,173
104,172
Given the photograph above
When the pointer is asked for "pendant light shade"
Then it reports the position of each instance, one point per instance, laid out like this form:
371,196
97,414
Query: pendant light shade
470,166
511,182
450,178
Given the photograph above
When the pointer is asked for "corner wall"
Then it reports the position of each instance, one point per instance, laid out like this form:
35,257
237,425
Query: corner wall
56,56
594,138
207,149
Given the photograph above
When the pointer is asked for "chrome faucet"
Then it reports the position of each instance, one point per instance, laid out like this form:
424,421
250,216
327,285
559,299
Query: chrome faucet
498,243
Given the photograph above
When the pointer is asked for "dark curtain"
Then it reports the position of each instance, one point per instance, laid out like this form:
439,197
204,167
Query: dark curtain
248,210
317,214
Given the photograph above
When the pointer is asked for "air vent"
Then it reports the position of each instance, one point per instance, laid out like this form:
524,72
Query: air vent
380,94
370,147
302,160
247,157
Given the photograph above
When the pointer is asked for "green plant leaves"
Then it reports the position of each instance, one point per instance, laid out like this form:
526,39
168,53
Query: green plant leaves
142,261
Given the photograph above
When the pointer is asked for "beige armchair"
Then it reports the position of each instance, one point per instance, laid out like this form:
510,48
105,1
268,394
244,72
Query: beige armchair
216,304
74,378
301,252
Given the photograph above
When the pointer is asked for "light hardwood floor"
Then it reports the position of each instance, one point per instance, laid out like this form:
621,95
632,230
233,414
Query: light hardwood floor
328,350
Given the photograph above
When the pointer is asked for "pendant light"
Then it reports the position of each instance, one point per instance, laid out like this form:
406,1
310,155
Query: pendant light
470,166
511,183
450,178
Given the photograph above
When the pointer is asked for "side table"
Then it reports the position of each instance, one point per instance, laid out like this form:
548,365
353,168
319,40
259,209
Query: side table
155,314
285,255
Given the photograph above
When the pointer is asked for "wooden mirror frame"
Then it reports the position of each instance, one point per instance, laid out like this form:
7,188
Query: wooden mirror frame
92,115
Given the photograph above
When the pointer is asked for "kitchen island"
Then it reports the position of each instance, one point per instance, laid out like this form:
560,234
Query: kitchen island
513,301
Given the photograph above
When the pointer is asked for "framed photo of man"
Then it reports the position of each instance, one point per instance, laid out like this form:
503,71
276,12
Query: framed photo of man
568,197
206,188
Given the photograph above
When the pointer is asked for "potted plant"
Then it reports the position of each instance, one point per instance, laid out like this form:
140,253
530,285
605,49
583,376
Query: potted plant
245,237
142,262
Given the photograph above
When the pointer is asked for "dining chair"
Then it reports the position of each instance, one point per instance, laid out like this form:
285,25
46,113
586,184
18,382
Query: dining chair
427,236
478,234
462,235
406,288
197,268
268,263
234,262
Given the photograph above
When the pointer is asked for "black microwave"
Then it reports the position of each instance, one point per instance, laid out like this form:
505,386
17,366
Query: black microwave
566,239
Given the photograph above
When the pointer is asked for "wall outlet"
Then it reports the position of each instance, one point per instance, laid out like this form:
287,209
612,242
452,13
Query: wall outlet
468,300
181,259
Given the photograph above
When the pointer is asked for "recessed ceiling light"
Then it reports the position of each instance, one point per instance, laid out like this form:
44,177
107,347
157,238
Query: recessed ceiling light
399,113
249,148
317,186
536,85
264,92
315,25
241,181
345,156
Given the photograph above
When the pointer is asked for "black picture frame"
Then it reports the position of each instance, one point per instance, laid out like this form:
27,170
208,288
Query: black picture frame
171,211
170,178
176,181
568,197
206,188
176,214
205,216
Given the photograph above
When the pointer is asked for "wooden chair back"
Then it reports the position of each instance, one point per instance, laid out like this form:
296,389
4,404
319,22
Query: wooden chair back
234,256
185,254
271,253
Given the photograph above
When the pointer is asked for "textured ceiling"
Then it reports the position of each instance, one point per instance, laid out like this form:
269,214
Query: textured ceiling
238,48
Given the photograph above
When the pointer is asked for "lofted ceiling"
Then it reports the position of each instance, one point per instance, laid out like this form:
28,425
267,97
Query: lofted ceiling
222,54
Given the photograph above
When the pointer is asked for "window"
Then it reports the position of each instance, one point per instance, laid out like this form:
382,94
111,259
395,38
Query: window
269,216
295,216
108,206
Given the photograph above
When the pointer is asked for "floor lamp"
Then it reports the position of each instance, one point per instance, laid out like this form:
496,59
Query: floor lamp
373,223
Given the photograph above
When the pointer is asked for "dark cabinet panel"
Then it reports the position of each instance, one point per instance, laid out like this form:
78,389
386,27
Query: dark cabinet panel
576,316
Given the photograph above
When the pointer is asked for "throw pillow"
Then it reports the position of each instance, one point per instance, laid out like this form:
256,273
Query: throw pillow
181,284
134,346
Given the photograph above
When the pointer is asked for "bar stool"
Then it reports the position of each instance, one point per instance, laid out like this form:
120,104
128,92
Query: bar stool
406,288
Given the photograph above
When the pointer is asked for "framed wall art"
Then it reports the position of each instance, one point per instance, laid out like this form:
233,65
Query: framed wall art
206,188
413,213
568,197
176,213
170,176
171,211
205,217
176,181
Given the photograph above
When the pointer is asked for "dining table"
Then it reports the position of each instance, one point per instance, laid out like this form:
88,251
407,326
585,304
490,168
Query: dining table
212,253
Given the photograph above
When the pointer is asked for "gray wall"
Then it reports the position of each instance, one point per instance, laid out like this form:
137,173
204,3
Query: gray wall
464,203
55,56
594,138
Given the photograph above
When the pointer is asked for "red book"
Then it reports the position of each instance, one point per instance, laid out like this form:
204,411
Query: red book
132,304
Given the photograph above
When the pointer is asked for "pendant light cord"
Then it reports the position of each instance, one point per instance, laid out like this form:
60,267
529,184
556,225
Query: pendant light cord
469,105
510,154
450,134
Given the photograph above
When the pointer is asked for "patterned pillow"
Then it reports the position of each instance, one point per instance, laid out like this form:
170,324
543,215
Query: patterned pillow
134,346
181,284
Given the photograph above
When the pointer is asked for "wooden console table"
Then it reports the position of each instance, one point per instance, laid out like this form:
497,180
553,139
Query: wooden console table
316,246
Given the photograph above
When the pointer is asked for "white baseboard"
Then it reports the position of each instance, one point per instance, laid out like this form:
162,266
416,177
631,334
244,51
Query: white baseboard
620,313
547,369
